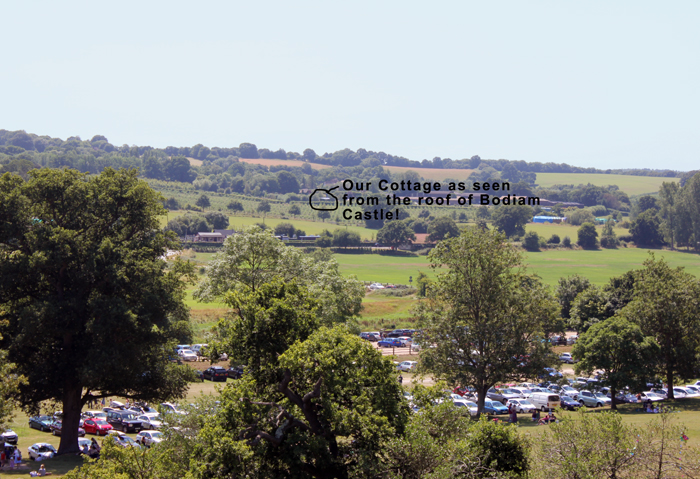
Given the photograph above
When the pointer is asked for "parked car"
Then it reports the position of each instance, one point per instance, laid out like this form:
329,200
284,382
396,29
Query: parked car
84,444
374,286
651,396
198,348
122,439
182,346
569,403
524,393
97,426
522,406
187,355
691,391
391,343
148,438
551,372
661,392
41,451
545,400
41,422
56,427
571,339
371,336
94,415
569,391
124,421
591,399
494,408
235,372
150,421
10,437
215,373
527,385
468,405
407,366
566,358
168,407
501,395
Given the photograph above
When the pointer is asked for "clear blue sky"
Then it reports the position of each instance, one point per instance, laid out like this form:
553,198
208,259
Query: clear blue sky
596,83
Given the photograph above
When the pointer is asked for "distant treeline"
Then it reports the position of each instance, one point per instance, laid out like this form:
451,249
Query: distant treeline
94,154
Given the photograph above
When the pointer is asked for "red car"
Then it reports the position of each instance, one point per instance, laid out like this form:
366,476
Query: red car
97,426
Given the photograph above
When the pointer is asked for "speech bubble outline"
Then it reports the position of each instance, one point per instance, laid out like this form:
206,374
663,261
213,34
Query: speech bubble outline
329,194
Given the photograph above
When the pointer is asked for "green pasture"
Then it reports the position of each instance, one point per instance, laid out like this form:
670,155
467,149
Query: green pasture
632,185
598,266
601,265
546,230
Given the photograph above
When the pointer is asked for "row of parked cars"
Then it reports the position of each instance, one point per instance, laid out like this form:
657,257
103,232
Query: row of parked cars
218,373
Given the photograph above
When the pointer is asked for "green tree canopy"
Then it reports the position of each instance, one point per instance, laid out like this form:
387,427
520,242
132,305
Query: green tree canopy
484,315
646,229
395,233
587,236
620,350
254,257
90,307
665,305
511,219
441,228
567,290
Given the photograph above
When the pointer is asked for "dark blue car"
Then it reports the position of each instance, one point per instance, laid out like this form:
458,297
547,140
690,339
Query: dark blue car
391,343
569,403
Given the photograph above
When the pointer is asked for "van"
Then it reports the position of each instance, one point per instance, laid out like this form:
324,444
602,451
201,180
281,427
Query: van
544,401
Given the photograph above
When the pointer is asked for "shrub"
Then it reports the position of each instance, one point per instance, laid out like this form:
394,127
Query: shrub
554,239
566,242
531,241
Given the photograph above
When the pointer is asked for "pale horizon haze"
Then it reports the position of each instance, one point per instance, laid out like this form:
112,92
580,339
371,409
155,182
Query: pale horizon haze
601,84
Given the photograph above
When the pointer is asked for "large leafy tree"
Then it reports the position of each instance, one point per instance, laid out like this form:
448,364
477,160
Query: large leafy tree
90,306
441,228
666,305
511,219
567,290
587,236
646,229
255,257
395,233
619,349
336,404
485,316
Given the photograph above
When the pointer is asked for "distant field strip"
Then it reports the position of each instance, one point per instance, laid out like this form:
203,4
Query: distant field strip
275,162
597,266
632,185
438,174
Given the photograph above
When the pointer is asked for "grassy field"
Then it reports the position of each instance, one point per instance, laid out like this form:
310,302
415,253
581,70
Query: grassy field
548,229
274,162
310,227
598,266
632,185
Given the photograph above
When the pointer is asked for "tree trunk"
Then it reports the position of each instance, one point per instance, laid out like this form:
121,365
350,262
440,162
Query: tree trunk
613,403
481,391
669,381
72,405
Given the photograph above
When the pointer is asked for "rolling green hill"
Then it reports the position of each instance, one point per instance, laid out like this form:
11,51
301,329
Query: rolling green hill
632,185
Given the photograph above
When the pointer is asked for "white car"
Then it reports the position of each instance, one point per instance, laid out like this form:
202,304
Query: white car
690,392
148,438
187,355
374,286
527,385
150,420
41,451
523,392
407,366
10,436
470,405
650,396
522,406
